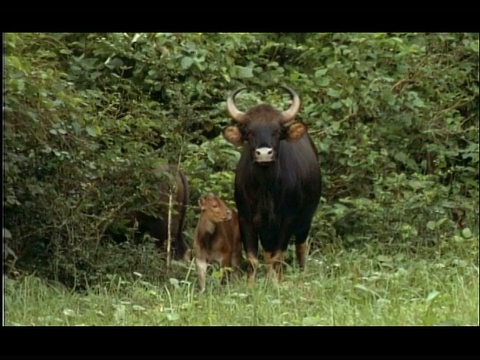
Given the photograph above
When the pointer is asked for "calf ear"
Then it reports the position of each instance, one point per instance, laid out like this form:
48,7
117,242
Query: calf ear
233,135
295,131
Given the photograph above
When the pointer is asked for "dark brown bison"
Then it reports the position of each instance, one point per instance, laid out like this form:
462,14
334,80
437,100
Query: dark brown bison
217,237
157,227
277,182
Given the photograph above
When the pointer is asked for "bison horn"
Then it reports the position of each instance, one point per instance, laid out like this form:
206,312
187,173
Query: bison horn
289,114
236,114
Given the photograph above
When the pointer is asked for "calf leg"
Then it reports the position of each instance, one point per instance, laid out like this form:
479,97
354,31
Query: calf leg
201,272
236,261
225,263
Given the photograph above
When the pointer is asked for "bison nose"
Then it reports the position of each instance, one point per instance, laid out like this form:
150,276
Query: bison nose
264,154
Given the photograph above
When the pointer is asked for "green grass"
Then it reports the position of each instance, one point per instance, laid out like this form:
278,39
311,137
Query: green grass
371,286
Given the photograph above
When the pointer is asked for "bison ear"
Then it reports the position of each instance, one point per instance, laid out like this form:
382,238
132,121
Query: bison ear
295,131
233,135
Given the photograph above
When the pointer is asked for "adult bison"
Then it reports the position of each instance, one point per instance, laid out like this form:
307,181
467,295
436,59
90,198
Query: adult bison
277,181
157,226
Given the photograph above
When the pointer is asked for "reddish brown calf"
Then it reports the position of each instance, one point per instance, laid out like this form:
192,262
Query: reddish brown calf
217,237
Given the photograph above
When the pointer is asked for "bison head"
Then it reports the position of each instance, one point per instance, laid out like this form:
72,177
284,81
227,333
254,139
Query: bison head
264,127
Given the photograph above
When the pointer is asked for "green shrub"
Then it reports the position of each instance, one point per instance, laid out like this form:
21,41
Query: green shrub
394,116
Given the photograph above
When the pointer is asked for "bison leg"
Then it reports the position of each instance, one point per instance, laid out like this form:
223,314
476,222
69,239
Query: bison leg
301,248
275,264
250,243
201,273
301,252
252,268
181,249
278,261
269,261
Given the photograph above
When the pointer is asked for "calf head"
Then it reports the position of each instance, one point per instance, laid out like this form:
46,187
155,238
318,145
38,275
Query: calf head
214,209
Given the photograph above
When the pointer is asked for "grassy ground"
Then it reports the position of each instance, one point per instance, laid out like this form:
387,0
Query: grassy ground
433,286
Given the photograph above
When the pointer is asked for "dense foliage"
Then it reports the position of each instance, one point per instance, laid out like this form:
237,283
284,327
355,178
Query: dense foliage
394,116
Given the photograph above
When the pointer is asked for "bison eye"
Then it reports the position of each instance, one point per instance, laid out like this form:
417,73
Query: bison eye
251,137
283,133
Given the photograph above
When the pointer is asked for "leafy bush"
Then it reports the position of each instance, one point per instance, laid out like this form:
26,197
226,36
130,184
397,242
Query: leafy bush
394,116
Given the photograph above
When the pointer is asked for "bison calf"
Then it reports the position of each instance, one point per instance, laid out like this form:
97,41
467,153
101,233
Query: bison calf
217,237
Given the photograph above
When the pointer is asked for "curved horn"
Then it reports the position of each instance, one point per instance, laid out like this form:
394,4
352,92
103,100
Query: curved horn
289,114
236,114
